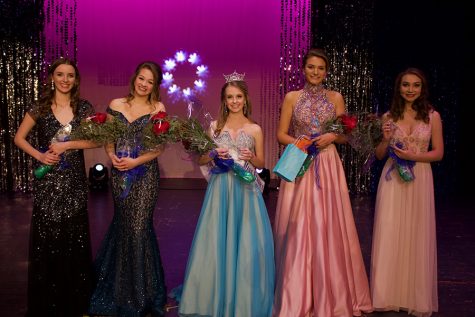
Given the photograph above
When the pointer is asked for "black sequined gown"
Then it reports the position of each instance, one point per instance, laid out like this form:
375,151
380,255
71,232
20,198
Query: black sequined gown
128,265
60,261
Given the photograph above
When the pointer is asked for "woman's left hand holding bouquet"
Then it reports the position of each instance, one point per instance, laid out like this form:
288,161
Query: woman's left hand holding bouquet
59,148
49,157
222,153
404,153
124,163
324,139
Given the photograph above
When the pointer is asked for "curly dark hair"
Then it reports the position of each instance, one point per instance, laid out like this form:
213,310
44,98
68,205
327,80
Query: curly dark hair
421,105
47,96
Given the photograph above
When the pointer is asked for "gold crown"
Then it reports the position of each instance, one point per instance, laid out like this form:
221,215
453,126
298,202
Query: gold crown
234,76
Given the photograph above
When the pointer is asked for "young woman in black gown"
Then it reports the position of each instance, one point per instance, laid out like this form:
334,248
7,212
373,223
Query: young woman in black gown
59,279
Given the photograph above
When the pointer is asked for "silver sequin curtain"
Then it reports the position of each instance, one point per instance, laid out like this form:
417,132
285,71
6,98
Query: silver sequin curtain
20,64
59,33
295,39
345,31
33,34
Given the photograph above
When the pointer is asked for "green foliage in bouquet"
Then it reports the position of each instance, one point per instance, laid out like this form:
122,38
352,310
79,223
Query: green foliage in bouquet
194,137
366,135
99,129
343,124
161,129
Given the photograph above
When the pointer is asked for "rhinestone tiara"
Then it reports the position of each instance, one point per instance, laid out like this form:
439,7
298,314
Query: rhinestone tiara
234,76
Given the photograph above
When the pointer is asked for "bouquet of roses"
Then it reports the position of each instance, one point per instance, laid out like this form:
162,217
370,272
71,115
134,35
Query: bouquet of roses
366,136
62,135
98,129
161,129
343,124
195,140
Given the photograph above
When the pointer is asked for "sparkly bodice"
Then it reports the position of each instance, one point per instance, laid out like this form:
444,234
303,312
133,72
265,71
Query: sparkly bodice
47,126
417,141
133,133
60,251
311,111
243,140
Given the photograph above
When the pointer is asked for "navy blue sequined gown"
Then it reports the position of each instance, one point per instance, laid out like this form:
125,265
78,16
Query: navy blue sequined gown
128,265
60,260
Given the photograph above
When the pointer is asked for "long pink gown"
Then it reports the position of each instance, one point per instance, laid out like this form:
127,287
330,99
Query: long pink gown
404,255
320,269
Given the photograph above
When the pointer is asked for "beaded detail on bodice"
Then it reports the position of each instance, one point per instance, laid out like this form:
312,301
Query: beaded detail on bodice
311,110
243,140
417,141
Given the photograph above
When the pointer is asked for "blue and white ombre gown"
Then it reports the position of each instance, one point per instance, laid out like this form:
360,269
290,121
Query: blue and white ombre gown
230,270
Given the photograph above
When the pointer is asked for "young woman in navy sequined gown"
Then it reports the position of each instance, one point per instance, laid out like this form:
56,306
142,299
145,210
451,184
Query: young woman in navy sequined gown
59,282
128,266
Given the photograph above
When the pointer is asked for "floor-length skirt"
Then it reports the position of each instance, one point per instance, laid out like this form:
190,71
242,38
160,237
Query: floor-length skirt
320,269
230,271
404,255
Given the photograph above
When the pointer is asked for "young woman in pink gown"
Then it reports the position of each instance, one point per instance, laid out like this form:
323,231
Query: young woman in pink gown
404,255
319,266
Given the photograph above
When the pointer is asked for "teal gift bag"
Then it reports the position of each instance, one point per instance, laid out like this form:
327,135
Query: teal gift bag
290,163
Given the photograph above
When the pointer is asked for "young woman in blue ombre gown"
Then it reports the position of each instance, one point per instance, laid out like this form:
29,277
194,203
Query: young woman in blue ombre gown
230,269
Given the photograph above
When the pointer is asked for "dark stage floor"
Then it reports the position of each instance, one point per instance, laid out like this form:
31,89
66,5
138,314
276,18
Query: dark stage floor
175,219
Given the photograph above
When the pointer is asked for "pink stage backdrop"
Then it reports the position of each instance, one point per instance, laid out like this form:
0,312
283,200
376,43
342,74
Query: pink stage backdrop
114,36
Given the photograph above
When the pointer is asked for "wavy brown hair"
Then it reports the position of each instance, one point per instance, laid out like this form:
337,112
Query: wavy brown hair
223,110
421,105
47,96
157,80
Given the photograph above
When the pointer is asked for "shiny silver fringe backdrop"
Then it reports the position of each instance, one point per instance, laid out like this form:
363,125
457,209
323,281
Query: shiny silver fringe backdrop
345,31
34,34
20,64
59,33
295,39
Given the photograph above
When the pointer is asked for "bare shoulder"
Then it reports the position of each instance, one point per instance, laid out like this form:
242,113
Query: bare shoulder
435,115
334,96
253,129
293,95
118,104
159,106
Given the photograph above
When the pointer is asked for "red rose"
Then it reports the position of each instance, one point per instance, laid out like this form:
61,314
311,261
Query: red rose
349,122
160,127
159,115
99,117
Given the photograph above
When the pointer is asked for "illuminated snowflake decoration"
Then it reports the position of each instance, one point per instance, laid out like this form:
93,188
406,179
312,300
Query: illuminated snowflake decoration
196,88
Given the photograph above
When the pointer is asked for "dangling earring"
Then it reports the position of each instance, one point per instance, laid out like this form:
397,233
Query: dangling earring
52,85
